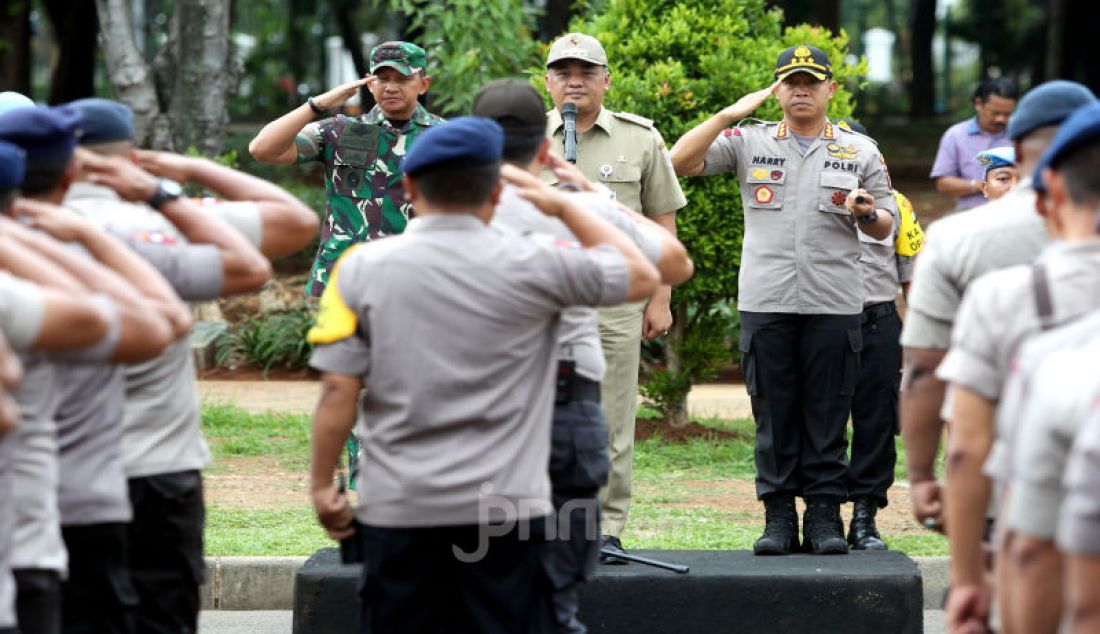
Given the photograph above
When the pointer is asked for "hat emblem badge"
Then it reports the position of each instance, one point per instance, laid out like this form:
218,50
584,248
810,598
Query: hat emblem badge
802,55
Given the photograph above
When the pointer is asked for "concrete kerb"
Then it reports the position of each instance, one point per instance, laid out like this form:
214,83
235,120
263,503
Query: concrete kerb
267,583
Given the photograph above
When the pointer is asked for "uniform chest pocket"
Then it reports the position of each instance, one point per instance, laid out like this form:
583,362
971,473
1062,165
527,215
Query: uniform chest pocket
834,191
625,180
353,160
764,188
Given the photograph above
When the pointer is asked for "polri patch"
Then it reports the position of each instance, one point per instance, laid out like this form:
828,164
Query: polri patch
763,194
760,173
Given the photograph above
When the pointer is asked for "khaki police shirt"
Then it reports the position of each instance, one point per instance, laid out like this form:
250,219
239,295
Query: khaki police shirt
999,313
627,154
1064,389
7,527
1079,521
801,248
461,418
958,250
885,268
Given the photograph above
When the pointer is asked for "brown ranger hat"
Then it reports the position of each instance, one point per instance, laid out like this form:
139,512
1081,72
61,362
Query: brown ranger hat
577,46
803,59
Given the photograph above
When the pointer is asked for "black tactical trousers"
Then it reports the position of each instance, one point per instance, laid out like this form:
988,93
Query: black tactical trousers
98,596
579,466
800,372
875,405
166,561
414,582
38,600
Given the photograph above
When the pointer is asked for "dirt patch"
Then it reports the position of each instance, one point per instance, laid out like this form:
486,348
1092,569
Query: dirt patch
255,483
644,429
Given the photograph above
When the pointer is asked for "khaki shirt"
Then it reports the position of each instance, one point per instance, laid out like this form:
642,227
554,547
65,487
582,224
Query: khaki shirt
627,154
1079,521
885,269
999,313
453,327
801,249
958,250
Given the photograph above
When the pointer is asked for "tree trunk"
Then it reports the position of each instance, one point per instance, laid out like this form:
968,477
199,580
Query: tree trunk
555,19
1056,28
74,73
678,412
15,47
922,91
130,76
825,13
350,35
204,77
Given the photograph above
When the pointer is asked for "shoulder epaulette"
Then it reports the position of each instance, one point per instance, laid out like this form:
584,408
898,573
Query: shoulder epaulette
633,118
858,134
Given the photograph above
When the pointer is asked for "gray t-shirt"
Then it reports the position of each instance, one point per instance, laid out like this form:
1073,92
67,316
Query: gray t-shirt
460,421
959,249
161,419
578,333
801,249
999,312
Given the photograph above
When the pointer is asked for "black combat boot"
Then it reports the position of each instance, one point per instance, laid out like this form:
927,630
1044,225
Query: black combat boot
822,530
780,528
862,533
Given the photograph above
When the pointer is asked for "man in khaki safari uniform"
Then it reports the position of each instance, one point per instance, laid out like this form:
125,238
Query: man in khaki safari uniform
362,156
626,154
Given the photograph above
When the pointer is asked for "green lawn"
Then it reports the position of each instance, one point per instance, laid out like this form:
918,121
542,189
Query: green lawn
694,495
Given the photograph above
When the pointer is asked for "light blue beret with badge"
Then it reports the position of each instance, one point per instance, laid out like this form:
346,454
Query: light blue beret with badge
997,157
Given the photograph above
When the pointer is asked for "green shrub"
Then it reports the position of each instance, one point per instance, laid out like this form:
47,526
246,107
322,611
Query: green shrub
269,340
678,62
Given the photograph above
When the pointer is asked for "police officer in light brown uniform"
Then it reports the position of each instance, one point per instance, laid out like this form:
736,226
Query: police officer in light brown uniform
809,188
626,154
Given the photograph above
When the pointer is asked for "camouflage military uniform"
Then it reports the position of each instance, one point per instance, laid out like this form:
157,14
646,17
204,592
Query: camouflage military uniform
365,198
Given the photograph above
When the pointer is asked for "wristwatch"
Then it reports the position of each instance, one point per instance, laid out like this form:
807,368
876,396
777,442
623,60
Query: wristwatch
167,190
869,219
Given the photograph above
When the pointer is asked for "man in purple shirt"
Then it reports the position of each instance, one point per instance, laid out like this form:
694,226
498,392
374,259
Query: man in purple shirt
957,171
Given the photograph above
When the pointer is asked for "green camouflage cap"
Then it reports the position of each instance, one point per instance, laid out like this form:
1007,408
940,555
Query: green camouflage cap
404,57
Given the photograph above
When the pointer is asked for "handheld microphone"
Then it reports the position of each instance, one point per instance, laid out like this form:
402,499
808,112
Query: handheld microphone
569,117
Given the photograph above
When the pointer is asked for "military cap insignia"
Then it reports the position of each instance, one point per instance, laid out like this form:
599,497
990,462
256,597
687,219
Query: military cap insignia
839,198
802,55
836,150
763,194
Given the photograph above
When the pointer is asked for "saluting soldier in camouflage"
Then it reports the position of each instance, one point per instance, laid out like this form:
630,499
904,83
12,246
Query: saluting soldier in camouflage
362,155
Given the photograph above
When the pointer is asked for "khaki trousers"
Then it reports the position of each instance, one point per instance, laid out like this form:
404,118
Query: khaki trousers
620,336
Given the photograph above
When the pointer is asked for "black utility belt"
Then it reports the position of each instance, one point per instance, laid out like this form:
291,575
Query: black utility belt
875,312
574,387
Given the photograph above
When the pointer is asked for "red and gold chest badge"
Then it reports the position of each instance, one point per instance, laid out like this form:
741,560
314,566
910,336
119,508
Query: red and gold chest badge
839,198
763,194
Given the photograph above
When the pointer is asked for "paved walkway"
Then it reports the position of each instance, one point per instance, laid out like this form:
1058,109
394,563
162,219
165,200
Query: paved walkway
723,401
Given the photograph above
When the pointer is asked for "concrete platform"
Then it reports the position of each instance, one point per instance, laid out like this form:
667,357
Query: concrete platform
862,592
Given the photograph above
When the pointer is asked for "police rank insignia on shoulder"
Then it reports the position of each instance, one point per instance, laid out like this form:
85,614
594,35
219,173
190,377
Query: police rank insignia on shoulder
841,152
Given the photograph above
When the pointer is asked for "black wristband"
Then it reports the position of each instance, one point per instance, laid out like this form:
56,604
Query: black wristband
869,218
314,107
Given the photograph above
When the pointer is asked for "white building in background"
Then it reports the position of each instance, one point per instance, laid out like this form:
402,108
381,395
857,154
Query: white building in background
878,44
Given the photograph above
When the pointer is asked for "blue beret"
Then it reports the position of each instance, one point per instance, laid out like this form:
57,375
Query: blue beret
468,141
1048,103
45,134
104,120
1081,129
997,157
10,100
11,165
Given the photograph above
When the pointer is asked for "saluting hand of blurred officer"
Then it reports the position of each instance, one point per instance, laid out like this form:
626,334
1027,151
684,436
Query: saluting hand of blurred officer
128,180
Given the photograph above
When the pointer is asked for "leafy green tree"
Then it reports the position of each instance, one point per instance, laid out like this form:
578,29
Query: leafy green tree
678,62
469,43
